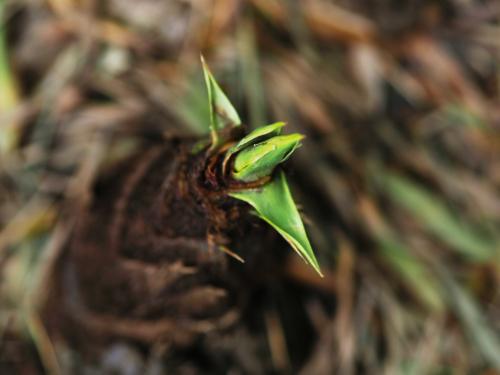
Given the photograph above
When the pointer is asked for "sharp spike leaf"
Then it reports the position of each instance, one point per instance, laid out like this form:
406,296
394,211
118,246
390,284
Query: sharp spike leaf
260,160
274,204
222,112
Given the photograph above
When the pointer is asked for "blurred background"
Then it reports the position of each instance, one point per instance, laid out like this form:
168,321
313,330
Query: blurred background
398,178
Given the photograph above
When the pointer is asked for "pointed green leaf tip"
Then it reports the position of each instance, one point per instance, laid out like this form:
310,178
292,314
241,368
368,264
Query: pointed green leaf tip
258,135
274,204
222,112
260,160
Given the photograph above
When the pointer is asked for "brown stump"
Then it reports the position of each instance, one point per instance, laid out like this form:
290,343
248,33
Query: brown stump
143,263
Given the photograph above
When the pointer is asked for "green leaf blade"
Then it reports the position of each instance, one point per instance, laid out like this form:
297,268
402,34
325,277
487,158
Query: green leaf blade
274,204
261,159
256,136
222,112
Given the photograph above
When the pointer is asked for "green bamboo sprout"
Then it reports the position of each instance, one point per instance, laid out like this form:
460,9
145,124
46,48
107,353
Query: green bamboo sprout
222,112
255,157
